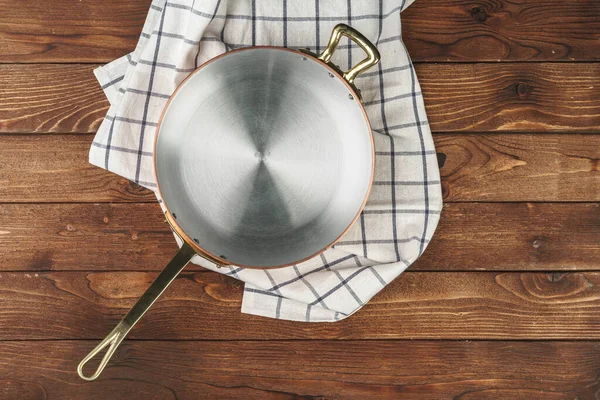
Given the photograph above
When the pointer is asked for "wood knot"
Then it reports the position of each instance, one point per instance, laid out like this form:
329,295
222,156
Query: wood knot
538,242
523,90
105,220
70,228
540,247
555,276
441,159
134,189
445,190
479,14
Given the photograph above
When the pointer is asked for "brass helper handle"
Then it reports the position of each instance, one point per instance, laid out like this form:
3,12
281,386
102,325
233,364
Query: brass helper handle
357,37
114,338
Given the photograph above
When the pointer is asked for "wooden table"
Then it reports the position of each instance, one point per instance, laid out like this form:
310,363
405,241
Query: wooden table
505,302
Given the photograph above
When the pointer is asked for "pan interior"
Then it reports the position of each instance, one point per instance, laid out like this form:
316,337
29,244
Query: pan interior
264,156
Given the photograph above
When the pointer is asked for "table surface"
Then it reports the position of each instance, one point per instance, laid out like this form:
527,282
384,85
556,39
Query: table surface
505,302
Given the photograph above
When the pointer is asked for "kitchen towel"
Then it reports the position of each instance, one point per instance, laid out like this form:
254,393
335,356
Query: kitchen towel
405,202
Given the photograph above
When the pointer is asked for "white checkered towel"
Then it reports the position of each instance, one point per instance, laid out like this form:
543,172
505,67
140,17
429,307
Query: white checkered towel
405,203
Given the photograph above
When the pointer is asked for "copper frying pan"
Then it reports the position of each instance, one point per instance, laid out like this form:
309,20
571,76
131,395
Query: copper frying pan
264,158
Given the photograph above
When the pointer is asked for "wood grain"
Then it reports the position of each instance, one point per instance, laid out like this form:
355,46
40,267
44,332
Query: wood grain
496,270
56,169
500,167
512,97
515,236
69,31
520,167
502,30
50,98
434,30
206,305
307,370
470,237
104,236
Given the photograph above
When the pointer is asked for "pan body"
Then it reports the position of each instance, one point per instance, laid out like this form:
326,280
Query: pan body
264,157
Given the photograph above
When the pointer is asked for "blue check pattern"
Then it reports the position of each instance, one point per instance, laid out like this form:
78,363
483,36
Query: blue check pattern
405,202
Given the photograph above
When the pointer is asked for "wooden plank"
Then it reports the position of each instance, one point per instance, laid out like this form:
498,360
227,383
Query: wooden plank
478,167
206,305
470,236
56,169
104,236
68,31
503,30
520,167
515,236
314,369
512,97
434,30
50,98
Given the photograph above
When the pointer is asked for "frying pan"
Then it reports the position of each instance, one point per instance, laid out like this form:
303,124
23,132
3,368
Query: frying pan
264,158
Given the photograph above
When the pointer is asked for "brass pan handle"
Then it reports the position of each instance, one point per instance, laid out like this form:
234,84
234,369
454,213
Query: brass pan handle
114,338
357,37
162,281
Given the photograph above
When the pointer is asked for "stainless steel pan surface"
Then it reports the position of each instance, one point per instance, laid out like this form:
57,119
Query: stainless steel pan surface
274,163
264,158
